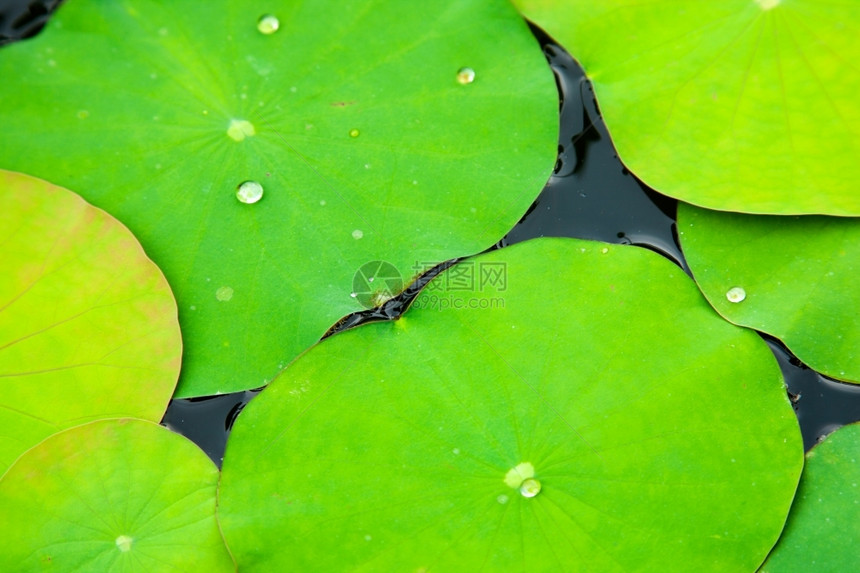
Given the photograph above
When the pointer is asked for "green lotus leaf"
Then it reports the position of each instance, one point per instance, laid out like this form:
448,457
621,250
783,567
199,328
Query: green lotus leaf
362,131
821,533
539,408
88,325
738,105
792,277
113,495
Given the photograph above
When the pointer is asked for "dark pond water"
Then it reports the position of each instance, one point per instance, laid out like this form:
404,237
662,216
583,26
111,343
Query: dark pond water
590,196
23,18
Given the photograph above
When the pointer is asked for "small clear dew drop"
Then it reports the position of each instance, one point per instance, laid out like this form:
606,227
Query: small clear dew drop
123,543
503,499
736,294
354,133
357,234
465,75
249,192
530,487
268,24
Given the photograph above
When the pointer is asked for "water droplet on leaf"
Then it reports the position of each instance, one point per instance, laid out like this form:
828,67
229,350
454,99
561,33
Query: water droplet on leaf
249,192
357,234
530,487
268,24
354,133
736,294
465,75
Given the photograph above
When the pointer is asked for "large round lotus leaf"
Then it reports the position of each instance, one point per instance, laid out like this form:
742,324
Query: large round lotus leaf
821,533
88,325
366,135
113,495
792,277
740,105
545,407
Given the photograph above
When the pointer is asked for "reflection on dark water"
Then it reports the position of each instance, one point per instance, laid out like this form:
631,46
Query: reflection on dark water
592,195
822,405
207,421
23,18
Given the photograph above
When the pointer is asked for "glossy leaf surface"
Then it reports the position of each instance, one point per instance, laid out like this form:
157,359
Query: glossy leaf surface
821,533
366,134
539,408
798,276
737,105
